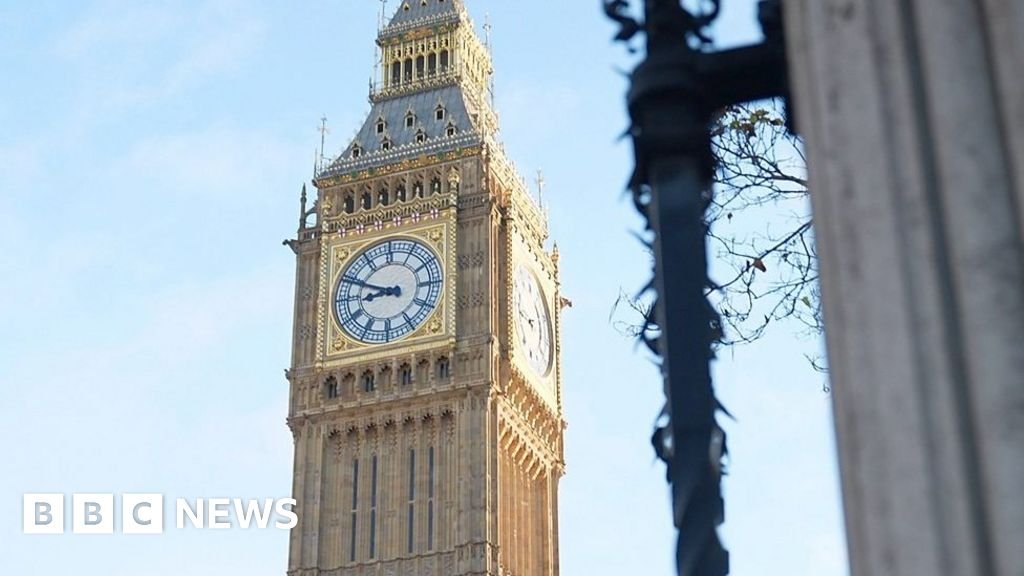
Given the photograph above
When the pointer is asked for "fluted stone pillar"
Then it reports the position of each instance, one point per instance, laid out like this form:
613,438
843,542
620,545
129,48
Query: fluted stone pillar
913,113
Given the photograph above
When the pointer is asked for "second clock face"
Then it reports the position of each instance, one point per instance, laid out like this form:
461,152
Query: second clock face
532,321
388,291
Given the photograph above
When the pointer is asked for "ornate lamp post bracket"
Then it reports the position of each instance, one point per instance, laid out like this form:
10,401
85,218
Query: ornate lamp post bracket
674,94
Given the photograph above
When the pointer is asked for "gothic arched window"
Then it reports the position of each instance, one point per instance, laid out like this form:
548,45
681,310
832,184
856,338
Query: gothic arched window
369,382
331,388
405,375
443,368
367,200
350,203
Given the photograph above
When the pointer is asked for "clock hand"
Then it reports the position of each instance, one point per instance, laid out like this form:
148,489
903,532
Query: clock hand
375,295
364,284
393,291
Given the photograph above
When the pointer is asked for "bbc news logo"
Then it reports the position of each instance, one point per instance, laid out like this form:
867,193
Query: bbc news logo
144,513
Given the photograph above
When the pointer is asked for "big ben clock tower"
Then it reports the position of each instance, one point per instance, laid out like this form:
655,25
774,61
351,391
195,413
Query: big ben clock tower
425,381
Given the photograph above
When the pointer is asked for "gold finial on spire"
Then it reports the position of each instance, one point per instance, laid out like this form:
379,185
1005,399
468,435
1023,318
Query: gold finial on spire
324,131
540,188
487,43
487,30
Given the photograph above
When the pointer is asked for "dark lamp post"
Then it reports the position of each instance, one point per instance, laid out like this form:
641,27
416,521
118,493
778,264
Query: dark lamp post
673,96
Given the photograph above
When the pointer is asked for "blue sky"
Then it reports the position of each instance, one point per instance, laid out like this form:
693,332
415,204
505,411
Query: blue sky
151,155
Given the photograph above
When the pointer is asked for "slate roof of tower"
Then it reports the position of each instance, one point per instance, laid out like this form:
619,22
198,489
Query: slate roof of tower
394,111
413,13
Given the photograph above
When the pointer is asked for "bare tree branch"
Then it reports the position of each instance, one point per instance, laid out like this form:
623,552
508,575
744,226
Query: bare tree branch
761,233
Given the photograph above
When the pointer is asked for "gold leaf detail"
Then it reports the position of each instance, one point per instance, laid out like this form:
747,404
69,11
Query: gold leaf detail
340,256
339,344
436,236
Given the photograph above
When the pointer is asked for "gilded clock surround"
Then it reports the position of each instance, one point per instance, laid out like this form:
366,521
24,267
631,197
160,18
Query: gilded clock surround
461,440
440,323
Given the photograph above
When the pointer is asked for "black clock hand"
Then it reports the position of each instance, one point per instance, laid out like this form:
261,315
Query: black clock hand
375,295
393,291
364,284
524,315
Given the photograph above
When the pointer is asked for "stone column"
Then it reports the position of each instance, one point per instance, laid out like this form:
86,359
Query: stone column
298,493
913,113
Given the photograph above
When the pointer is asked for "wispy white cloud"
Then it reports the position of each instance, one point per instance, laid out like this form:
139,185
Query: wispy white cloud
215,164
200,176
216,53
171,354
188,321
136,53
114,25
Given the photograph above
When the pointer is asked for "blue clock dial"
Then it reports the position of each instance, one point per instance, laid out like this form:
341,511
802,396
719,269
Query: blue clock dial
387,291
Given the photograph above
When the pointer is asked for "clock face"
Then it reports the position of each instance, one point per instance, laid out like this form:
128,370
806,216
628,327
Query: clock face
388,291
532,321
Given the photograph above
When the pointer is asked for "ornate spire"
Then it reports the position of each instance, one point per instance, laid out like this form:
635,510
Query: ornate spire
416,13
429,43
432,89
